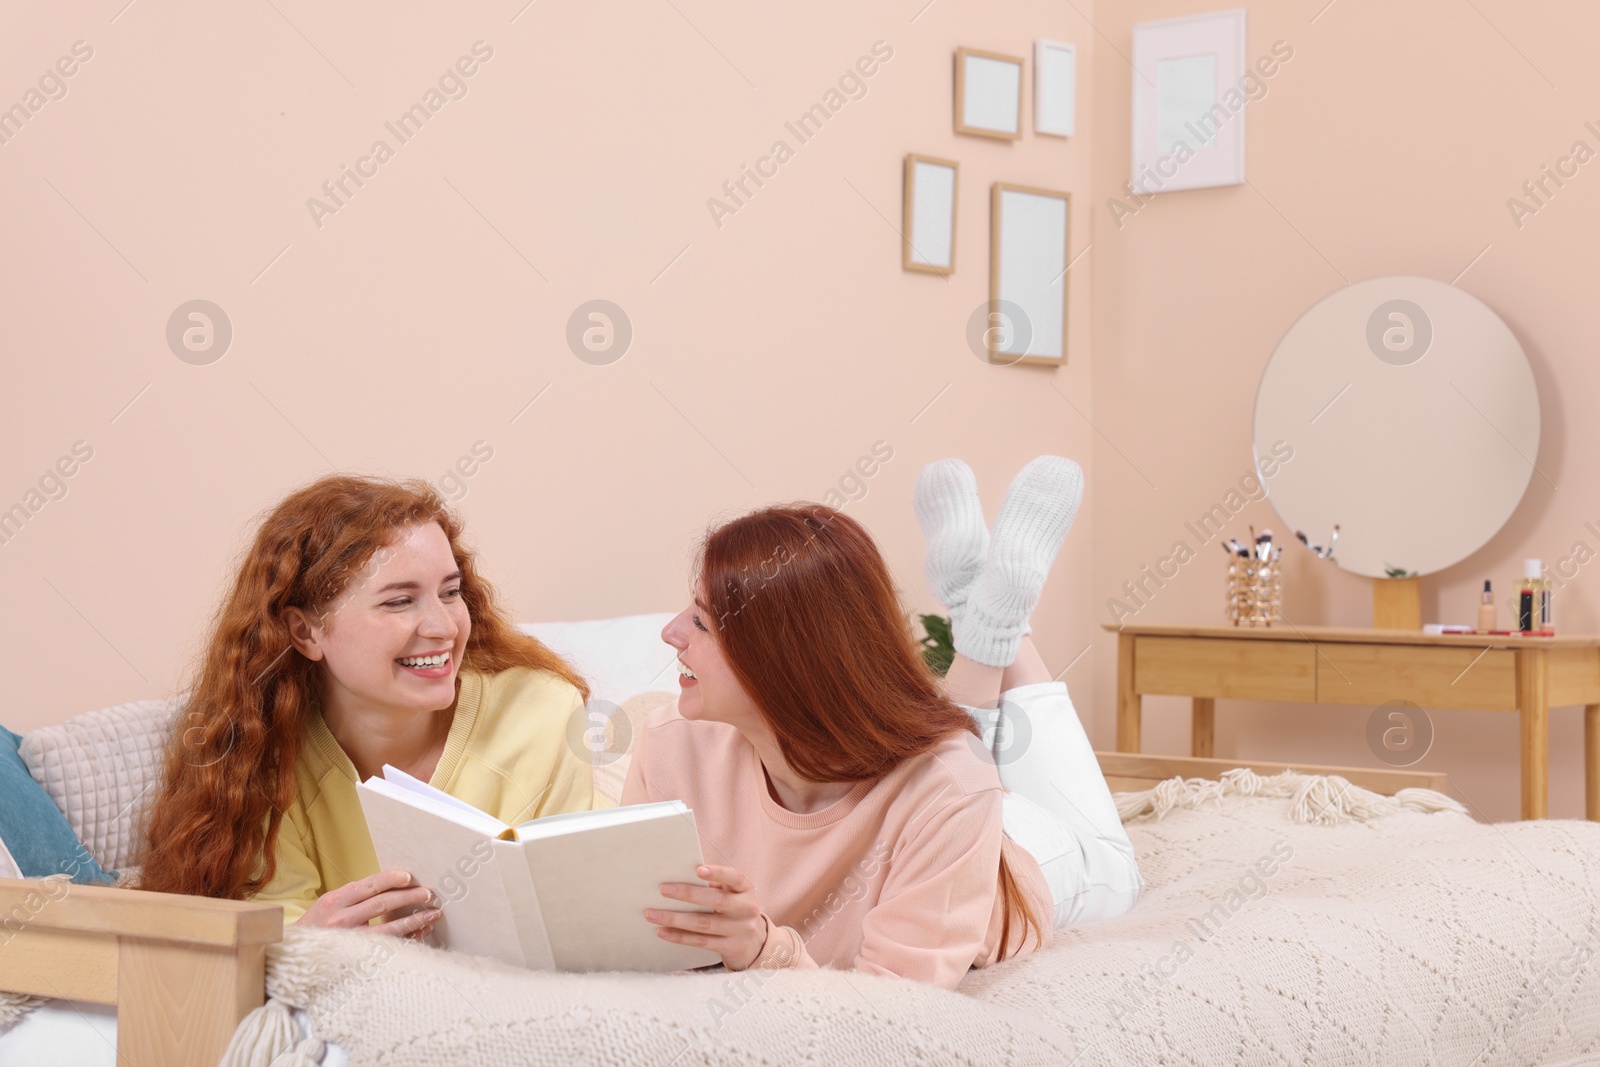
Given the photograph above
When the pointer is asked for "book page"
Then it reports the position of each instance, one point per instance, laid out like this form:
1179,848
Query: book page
575,821
398,785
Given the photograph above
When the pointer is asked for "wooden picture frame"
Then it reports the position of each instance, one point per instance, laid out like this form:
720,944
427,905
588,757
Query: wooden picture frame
987,104
1030,232
1055,88
1189,102
929,223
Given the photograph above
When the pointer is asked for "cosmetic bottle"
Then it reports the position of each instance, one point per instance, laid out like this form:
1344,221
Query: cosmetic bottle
1486,609
1528,597
1547,623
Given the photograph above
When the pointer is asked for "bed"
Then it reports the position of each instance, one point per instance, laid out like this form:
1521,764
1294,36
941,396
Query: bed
1490,925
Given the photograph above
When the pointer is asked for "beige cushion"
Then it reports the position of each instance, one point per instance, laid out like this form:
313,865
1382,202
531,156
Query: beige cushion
101,769
611,771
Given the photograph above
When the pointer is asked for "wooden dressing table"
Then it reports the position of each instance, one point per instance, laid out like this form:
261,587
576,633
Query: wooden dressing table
1335,665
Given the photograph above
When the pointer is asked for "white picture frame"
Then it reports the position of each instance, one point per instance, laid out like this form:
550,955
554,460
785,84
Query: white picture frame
988,98
1189,102
1055,88
929,223
1029,229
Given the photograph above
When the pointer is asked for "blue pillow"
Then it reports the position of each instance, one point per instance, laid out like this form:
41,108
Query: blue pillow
36,834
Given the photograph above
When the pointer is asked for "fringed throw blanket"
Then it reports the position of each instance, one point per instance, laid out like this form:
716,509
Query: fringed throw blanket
1291,919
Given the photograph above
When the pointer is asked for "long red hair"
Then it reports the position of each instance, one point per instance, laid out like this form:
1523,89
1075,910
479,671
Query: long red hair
229,773
809,619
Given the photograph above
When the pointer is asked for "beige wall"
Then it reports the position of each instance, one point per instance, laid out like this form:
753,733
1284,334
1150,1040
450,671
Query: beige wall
770,354
1389,144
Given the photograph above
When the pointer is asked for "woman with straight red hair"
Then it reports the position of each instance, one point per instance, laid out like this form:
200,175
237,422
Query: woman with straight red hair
851,811
358,633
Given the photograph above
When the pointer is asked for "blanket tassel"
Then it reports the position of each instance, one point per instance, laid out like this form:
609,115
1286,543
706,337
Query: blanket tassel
1313,798
268,1038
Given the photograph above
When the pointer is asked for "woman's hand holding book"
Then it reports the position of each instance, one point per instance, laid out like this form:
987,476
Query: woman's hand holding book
355,904
736,928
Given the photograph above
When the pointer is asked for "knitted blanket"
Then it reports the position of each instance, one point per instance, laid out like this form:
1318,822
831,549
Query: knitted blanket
1291,919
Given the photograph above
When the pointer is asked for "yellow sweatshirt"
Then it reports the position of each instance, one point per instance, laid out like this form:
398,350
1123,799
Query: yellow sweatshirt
507,754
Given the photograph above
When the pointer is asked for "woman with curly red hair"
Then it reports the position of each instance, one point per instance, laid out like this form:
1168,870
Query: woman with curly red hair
358,632
853,813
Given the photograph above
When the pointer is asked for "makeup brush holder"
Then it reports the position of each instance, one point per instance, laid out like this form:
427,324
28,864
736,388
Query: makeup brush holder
1254,591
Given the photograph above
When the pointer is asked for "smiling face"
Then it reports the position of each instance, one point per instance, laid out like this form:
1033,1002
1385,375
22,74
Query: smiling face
708,688
394,638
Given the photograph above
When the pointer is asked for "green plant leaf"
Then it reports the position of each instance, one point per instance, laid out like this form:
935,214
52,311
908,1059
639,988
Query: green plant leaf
938,647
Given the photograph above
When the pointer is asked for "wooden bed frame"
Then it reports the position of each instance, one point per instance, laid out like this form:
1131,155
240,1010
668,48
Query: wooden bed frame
183,971
1128,772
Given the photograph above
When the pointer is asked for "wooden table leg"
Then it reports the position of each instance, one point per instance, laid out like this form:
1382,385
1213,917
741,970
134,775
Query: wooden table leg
1591,761
1203,728
1533,706
1128,702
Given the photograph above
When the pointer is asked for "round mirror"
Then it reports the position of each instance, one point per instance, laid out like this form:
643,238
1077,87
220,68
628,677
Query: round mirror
1413,421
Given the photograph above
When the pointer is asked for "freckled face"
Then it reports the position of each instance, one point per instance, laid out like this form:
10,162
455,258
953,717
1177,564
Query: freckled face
396,636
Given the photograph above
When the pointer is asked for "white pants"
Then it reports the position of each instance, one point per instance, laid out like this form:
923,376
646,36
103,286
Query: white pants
1057,803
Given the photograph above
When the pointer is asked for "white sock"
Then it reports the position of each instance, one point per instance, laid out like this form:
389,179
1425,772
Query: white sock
951,517
1038,510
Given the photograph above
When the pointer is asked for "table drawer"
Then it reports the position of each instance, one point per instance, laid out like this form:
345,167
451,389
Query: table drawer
1242,668
1432,677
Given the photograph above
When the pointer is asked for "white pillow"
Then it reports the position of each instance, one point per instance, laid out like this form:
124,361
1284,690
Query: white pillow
620,658
8,866
101,768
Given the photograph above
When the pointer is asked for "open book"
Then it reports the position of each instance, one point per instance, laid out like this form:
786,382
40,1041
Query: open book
563,893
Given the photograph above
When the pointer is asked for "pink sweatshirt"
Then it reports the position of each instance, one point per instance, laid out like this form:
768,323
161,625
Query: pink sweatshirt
899,876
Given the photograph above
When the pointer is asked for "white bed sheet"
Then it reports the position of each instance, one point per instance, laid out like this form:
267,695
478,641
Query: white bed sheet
66,1033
